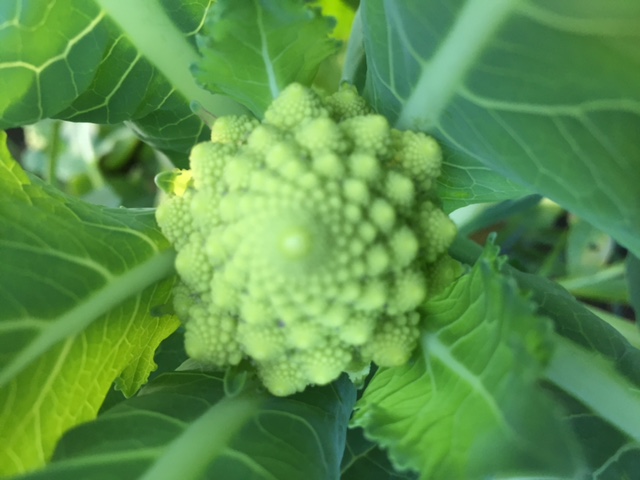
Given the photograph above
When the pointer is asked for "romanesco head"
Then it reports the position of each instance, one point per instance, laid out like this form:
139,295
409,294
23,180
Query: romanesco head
307,243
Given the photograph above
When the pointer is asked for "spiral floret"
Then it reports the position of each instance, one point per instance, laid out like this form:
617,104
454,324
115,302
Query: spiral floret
305,249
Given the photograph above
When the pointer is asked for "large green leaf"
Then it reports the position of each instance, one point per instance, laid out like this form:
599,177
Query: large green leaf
106,61
181,425
470,406
252,49
77,286
543,92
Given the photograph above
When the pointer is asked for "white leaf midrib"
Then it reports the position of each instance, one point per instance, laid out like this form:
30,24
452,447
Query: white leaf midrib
475,25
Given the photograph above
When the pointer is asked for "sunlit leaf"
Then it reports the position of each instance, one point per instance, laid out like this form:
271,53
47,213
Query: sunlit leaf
77,285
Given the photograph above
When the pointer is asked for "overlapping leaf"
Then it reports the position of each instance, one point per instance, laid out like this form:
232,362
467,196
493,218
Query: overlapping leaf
465,181
77,285
575,322
542,92
609,454
471,407
364,459
633,282
253,49
182,426
105,61
595,380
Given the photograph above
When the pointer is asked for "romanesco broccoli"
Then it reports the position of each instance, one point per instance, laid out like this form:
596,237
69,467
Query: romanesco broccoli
307,242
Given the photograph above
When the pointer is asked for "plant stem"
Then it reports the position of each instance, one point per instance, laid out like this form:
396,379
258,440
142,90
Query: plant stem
53,152
355,51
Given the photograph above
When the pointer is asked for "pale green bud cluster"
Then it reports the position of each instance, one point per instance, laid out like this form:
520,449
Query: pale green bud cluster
305,242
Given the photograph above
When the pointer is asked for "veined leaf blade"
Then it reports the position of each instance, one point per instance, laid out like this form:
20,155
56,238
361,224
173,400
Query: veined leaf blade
104,61
77,287
253,49
470,406
174,422
544,93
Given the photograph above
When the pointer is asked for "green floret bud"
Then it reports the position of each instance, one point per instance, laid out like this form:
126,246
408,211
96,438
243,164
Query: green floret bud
437,229
192,265
295,105
418,154
207,161
346,103
442,274
394,341
205,210
369,134
211,337
304,242
263,137
232,129
182,300
283,377
174,218
321,135
323,363
262,342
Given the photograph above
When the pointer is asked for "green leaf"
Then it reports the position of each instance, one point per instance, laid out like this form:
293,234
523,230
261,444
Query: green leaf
633,280
182,426
465,181
574,321
78,282
470,406
593,380
363,459
168,357
543,92
571,318
253,49
487,217
106,61
604,375
628,329
610,455
608,285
